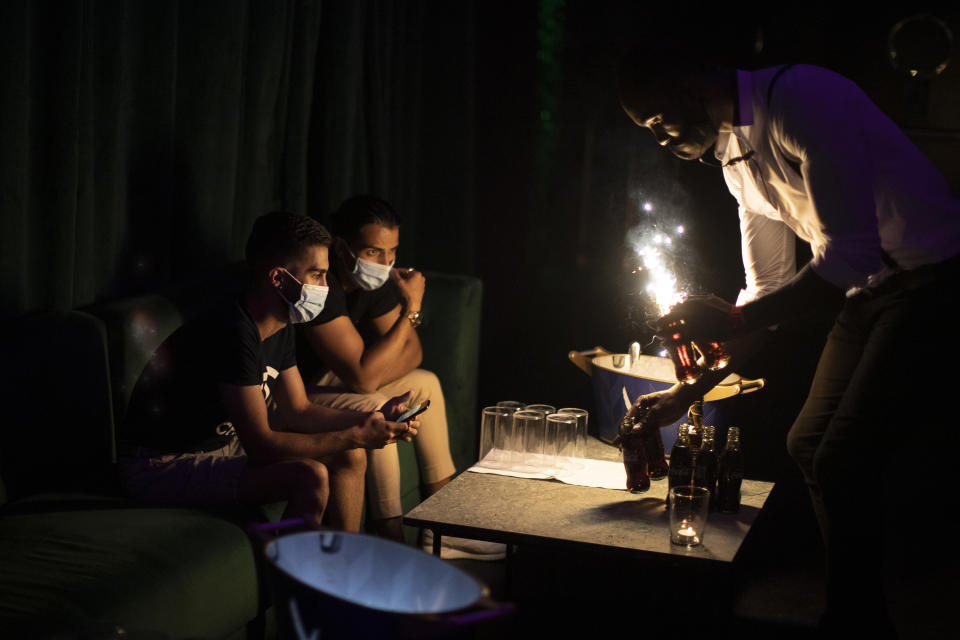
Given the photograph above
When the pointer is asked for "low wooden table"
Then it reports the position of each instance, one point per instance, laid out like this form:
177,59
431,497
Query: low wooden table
519,511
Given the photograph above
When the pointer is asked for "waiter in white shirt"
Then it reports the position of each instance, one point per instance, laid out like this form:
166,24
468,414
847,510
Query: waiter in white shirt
807,154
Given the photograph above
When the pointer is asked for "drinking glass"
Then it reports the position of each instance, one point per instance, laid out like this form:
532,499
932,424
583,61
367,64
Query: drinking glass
493,422
580,443
689,506
513,405
545,409
558,436
530,427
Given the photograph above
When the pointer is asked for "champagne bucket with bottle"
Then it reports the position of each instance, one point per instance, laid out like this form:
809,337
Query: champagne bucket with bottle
618,379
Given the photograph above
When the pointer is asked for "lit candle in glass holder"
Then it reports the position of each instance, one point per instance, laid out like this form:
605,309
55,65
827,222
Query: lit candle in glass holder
688,514
686,534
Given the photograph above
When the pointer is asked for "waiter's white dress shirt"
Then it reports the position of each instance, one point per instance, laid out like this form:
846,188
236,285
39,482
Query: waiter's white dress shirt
821,161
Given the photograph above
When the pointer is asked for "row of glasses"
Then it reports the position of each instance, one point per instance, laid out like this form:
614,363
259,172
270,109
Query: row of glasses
533,438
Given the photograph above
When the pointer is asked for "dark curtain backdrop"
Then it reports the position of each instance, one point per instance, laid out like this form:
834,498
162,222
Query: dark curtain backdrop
139,140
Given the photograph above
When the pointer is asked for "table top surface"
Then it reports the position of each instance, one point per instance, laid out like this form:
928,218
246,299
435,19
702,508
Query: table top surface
519,511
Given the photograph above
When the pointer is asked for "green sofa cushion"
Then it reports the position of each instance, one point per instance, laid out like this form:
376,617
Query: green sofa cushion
450,336
185,573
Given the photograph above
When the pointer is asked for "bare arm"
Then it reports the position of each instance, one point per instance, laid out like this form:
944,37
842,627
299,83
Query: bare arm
742,337
311,434
397,352
248,413
663,408
301,415
363,370
412,353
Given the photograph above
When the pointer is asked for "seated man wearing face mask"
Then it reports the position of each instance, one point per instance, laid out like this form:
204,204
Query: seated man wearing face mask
364,347
220,415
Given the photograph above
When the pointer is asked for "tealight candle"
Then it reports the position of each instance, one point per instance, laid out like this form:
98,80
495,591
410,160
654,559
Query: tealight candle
686,534
688,514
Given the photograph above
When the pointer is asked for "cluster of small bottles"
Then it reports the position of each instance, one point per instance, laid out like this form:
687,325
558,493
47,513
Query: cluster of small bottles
643,456
693,459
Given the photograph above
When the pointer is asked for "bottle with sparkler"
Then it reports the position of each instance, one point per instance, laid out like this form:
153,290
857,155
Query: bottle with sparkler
681,351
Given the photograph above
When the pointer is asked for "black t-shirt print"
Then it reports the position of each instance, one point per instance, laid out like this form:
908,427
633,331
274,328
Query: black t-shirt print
176,404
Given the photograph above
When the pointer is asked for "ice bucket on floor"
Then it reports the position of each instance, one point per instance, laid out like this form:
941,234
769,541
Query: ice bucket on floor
617,381
331,584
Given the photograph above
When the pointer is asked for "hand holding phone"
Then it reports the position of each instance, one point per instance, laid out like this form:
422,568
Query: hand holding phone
413,411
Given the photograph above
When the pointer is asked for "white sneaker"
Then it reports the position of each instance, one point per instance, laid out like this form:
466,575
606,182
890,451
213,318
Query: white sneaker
452,548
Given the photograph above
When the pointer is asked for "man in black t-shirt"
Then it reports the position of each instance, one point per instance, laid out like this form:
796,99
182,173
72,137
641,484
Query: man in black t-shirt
220,415
364,347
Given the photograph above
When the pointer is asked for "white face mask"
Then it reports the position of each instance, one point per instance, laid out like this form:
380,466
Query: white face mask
370,275
310,304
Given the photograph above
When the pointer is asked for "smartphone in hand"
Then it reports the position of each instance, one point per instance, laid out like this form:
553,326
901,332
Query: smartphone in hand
413,411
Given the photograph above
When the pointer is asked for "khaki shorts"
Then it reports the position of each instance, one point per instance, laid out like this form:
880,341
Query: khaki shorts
186,479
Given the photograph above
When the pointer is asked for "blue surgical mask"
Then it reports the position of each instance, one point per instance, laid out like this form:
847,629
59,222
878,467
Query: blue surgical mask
310,304
370,275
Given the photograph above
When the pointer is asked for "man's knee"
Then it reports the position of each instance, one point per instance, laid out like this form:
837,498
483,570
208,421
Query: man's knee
350,461
425,384
309,474
370,401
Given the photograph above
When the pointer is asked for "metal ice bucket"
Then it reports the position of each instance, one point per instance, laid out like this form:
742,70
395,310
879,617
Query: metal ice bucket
618,379
332,584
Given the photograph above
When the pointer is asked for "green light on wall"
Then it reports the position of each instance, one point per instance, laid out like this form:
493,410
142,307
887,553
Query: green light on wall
550,16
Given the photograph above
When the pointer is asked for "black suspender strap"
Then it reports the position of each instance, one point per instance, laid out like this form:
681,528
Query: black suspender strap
793,164
774,79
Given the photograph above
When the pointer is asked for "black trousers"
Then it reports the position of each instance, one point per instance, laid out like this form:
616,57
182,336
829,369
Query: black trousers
874,436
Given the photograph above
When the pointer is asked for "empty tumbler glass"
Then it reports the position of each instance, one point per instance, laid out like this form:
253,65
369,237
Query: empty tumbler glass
545,409
513,405
530,427
580,444
558,440
495,422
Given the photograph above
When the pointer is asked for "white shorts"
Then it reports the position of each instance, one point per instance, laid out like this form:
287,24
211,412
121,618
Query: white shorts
187,479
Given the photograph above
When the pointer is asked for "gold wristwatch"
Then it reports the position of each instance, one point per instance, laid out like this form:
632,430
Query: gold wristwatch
415,318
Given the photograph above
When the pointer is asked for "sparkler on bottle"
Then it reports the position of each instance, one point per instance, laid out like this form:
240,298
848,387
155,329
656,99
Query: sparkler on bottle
661,281
655,250
654,253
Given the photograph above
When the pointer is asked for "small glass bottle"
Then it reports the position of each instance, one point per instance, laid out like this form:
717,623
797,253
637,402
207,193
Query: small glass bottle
705,472
681,459
632,447
682,352
730,473
656,460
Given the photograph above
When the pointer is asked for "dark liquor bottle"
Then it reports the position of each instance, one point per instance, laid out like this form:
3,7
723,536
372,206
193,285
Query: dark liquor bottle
682,352
681,459
730,473
632,446
705,472
656,460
